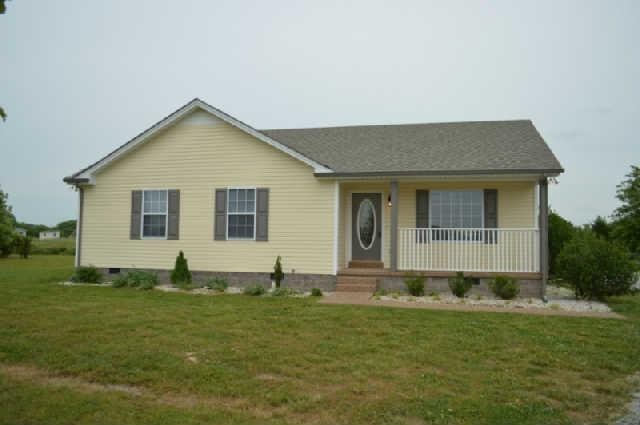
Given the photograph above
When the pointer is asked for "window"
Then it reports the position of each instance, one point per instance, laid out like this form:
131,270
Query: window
154,214
456,209
241,214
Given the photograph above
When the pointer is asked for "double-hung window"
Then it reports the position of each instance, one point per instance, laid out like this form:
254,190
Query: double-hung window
154,213
456,209
241,214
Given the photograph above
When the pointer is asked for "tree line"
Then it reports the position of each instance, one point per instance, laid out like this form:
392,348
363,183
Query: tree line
600,258
11,241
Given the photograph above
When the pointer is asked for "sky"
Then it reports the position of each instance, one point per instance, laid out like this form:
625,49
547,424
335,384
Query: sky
80,78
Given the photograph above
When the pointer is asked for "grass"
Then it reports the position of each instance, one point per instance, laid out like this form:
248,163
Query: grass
277,360
66,246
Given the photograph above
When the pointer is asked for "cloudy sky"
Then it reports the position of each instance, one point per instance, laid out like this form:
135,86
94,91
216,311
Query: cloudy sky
79,78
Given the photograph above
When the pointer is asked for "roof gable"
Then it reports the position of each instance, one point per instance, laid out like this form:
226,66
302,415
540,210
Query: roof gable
86,175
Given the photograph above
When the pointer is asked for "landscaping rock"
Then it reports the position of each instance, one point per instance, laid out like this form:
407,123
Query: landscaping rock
558,299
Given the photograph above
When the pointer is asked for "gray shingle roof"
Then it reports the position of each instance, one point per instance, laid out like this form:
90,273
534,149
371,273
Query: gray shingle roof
440,148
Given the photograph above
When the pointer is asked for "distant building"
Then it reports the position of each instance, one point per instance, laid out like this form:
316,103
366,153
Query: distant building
49,234
21,231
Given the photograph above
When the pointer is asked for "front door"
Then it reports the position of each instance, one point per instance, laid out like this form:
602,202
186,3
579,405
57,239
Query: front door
366,226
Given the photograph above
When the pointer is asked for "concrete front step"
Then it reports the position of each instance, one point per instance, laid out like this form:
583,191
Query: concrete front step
355,288
356,284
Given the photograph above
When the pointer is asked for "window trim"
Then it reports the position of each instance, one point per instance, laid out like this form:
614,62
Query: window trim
166,216
255,207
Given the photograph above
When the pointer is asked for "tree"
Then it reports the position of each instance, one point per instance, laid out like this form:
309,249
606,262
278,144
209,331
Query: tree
560,232
3,9
181,274
601,228
66,228
7,228
278,275
22,245
33,230
596,268
627,216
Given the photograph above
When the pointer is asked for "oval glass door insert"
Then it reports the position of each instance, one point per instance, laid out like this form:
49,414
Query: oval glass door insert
366,224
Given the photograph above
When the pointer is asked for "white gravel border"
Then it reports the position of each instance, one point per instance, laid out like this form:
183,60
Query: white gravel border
473,300
558,298
231,290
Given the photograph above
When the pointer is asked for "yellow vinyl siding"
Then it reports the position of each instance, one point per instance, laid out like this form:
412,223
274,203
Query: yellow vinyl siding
196,158
516,206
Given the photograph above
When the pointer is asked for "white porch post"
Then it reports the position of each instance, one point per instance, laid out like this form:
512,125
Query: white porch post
394,226
336,226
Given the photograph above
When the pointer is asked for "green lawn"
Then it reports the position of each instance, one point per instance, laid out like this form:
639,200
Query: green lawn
65,246
282,360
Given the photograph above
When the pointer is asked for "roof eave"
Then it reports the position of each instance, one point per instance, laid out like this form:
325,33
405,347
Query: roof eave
76,180
551,172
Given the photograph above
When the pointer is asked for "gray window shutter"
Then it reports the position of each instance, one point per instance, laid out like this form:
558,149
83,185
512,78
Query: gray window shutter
173,207
262,214
490,214
422,213
136,213
220,218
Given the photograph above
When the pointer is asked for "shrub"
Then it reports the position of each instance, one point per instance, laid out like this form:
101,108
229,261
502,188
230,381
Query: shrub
284,292
561,231
181,274
86,274
136,279
217,284
277,272
254,290
415,284
316,292
51,250
120,281
146,284
23,246
596,268
505,287
459,285
142,279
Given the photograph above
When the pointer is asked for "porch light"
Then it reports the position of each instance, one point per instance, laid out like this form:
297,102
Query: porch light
389,200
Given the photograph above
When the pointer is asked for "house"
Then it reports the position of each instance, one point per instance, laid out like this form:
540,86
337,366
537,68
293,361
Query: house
20,231
357,207
49,234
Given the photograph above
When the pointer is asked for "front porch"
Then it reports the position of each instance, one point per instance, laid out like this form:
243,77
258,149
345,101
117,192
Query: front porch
390,228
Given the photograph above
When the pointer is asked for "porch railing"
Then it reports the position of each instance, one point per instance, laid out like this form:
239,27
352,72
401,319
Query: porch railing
469,249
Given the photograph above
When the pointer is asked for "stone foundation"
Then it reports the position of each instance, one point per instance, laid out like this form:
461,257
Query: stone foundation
300,281
529,288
